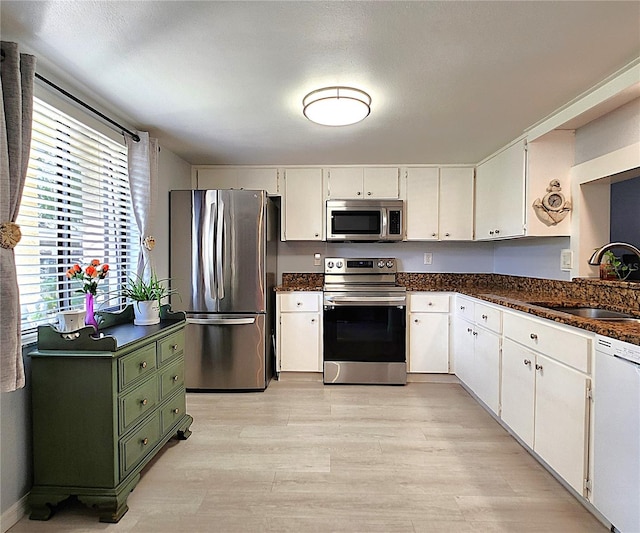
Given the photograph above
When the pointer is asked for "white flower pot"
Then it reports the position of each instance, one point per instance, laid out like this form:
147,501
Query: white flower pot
146,313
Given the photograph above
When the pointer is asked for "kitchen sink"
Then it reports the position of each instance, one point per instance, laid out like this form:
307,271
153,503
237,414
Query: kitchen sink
596,313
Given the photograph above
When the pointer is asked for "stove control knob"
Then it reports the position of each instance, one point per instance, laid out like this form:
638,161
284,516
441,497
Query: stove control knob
381,264
339,264
389,264
330,264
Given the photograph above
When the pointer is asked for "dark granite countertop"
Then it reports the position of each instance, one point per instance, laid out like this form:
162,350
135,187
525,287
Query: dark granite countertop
523,294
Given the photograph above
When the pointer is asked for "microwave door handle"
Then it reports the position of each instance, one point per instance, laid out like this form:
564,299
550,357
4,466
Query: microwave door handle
384,211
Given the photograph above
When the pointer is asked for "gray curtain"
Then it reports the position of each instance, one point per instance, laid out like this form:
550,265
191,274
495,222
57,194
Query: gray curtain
143,183
17,73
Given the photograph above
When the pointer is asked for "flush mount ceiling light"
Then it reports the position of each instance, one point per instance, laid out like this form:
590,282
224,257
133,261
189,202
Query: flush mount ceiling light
336,106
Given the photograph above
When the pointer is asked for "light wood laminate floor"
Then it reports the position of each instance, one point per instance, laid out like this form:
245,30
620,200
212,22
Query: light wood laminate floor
303,457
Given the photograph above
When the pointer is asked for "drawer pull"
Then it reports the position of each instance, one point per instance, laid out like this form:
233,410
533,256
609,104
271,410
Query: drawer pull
534,336
313,320
299,304
144,441
416,320
538,367
174,378
144,401
430,304
484,317
527,362
447,234
462,308
143,364
469,330
434,234
475,333
174,347
175,411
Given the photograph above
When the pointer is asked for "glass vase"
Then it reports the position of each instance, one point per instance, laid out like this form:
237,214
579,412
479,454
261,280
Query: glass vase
90,319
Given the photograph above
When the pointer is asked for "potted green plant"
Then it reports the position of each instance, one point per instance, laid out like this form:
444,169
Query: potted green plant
616,267
146,296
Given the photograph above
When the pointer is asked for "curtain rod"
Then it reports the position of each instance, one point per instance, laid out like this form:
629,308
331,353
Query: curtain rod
123,130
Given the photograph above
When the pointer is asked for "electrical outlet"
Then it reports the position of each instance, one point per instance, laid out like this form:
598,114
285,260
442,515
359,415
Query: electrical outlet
428,258
317,259
566,260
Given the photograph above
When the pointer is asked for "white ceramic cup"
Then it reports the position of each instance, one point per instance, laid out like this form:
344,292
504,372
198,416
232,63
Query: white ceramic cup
69,321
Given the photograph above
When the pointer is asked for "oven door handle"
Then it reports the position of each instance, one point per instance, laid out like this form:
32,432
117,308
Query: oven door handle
366,300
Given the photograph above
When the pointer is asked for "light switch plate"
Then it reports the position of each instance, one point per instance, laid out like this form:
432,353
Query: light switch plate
428,258
317,259
566,260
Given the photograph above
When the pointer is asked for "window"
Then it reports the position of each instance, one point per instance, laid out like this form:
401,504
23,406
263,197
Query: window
76,206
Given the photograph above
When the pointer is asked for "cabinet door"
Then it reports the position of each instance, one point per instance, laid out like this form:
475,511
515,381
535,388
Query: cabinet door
217,178
456,204
345,183
429,342
500,190
518,390
422,204
381,183
487,367
561,420
303,205
463,350
259,179
300,342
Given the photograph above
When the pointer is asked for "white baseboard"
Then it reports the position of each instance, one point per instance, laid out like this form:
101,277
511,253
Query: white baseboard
13,514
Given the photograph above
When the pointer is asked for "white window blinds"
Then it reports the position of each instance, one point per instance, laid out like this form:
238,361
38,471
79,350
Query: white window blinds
76,206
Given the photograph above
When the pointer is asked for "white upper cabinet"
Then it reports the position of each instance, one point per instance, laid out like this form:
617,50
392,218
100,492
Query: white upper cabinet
357,183
303,210
456,204
439,203
238,178
525,190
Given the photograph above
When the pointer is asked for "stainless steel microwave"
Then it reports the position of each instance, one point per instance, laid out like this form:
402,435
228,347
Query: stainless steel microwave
364,220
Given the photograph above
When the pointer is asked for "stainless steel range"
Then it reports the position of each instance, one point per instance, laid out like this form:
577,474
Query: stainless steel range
364,322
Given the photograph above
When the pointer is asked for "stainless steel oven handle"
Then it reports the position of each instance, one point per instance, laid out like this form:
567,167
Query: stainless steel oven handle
366,300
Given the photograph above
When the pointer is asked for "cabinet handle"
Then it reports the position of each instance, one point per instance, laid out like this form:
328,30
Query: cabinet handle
143,364
491,232
497,231
533,336
416,320
434,234
358,193
144,401
313,320
174,378
430,303
299,304
174,347
462,308
446,234
527,362
475,333
484,317
538,367
144,441
469,330
316,234
175,411
369,193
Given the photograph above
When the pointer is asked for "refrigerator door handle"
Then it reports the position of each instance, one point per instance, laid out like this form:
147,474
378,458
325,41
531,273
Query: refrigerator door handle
220,250
207,251
222,321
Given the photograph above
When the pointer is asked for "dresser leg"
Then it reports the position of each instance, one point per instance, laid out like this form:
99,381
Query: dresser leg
111,507
183,430
42,504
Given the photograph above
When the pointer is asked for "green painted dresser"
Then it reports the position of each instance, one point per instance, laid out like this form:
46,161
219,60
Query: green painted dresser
103,406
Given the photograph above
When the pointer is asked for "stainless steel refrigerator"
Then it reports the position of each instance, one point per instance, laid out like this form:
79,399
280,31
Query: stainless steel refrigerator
223,266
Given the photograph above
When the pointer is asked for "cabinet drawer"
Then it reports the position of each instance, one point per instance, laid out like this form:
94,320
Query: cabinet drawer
134,448
487,316
173,411
299,301
137,403
172,378
464,307
429,302
565,346
172,345
140,363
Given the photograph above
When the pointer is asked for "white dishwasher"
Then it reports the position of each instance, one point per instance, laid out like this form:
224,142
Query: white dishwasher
616,458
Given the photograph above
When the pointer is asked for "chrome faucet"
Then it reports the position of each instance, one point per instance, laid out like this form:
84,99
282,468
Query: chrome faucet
596,258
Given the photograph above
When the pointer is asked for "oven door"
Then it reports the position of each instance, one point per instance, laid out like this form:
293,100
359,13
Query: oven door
364,344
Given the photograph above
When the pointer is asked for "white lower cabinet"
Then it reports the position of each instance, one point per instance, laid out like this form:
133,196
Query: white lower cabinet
544,399
428,332
299,331
477,349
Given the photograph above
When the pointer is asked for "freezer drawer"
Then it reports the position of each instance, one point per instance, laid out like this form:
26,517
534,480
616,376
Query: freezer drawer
225,352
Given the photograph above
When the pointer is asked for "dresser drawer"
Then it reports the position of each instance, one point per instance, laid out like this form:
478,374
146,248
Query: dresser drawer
428,302
140,363
299,301
560,344
488,317
172,378
137,403
172,345
173,411
135,447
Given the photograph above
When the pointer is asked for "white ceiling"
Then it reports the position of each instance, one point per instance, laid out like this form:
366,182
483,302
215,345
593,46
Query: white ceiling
222,82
